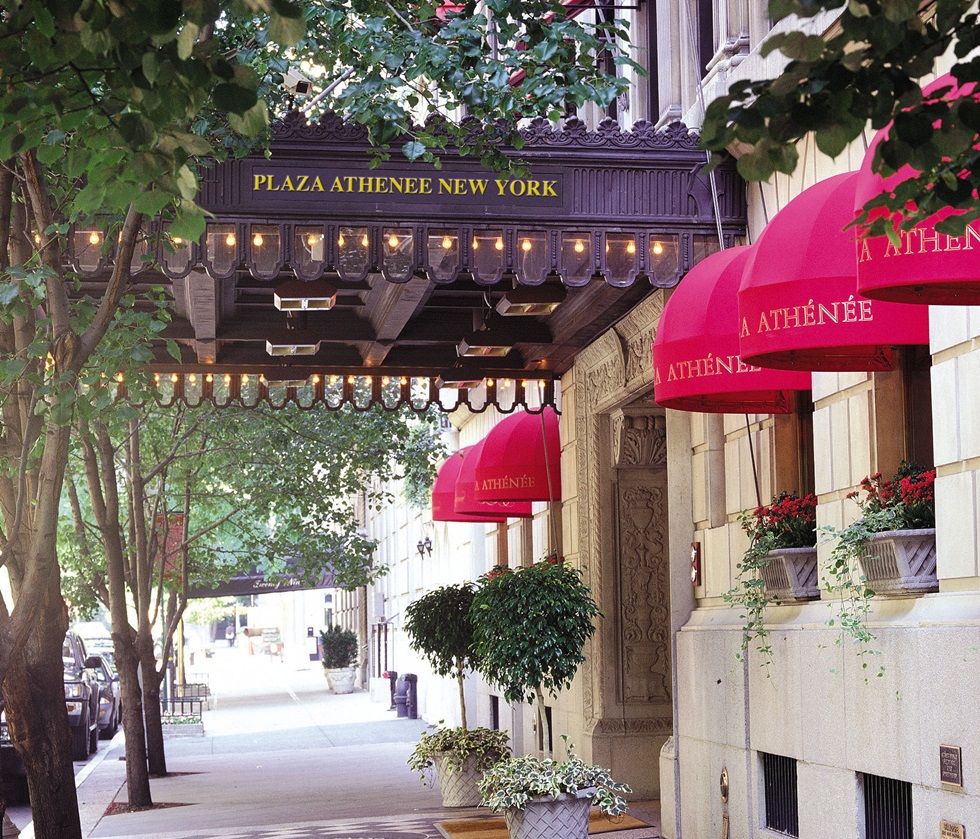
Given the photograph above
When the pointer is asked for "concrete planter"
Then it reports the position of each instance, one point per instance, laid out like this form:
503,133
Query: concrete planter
791,574
183,730
458,786
340,679
564,817
901,562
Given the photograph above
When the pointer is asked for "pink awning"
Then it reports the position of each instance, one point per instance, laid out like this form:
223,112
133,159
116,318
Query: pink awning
444,493
521,459
696,365
465,500
798,305
925,266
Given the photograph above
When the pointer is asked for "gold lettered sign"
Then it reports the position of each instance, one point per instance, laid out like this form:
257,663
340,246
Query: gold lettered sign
951,830
271,183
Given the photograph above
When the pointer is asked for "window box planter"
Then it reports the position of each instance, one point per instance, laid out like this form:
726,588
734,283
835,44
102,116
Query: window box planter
791,574
897,563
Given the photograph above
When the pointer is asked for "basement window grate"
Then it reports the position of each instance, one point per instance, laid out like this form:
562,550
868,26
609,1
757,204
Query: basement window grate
887,808
782,807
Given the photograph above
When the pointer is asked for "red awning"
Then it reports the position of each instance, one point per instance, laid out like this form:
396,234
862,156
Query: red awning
465,500
798,305
696,366
521,459
444,493
926,266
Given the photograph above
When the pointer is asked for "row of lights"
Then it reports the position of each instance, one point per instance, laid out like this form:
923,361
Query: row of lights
316,378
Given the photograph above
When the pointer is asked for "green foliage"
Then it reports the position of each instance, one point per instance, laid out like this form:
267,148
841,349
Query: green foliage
339,647
788,522
440,626
512,783
419,457
454,746
531,627
405,73
866,71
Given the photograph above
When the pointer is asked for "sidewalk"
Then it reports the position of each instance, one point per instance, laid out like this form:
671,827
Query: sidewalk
282,758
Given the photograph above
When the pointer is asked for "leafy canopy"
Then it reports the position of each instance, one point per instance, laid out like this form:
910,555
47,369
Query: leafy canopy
531,627
865,71
440,626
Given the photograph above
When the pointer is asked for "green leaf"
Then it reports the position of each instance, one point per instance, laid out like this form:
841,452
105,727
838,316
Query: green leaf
287,25
254,121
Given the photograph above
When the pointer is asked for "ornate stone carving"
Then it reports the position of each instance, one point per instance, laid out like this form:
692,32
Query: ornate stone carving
641,441
637,331
654,725
644,569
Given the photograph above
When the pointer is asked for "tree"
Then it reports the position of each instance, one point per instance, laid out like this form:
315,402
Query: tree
107,110
865,70
166,499
440,626
531,626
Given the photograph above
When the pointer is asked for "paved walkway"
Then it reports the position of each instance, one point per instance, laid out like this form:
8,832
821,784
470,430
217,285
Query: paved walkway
283,758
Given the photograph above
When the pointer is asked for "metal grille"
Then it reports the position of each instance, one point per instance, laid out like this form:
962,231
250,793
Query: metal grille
782,808
887,808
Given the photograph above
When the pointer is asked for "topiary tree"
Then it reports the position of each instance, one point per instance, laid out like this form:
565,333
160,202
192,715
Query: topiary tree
440,627
339,647
531,626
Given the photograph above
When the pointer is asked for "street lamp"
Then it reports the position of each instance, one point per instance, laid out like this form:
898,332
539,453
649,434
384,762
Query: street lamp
424,547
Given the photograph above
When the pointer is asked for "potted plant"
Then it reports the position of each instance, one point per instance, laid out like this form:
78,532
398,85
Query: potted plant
531,625
780,563
339,657
550,798
894,540
439,626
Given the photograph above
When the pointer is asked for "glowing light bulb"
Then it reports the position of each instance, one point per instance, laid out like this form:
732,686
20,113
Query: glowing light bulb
174,378
178,241
340,241
311,240
505,382
476,243
227,378
119,378
403,381
37,238
258,240
489,382
156,378
316,378
384,381
93,237
333,380
392,241
350,380
499,244
658,248
209,378
447,243
364,241
526,245
245,378
230,240
579,246
631,247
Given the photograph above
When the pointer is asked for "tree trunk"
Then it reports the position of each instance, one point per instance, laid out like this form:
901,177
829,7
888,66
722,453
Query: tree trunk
462,697
137,776
35,702
155,750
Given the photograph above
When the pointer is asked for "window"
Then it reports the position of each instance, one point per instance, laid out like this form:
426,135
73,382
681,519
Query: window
887,808
782,808
494,713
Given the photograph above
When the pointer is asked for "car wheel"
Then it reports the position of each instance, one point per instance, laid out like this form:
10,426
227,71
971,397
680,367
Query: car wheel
80,738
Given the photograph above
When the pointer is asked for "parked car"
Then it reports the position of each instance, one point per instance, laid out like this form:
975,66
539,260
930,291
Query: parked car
110,701
81,697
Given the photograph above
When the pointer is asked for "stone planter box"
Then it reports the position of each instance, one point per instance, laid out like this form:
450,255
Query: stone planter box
901,562
791,574
340,679
564,817
195,729
458,788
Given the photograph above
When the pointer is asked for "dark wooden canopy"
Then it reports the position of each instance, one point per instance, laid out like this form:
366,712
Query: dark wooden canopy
419,257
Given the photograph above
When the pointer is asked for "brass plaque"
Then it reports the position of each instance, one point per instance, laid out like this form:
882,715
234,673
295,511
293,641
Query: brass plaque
951,766
951,830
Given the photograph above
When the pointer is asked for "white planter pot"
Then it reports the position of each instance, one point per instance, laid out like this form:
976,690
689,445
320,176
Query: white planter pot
458,786
564,817
791,574
901,562
340,679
